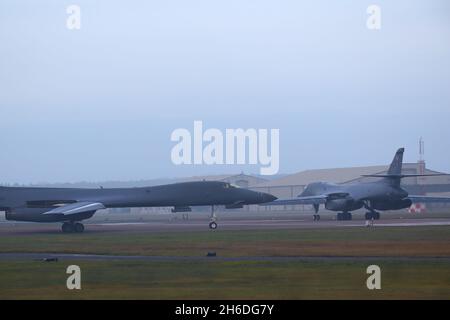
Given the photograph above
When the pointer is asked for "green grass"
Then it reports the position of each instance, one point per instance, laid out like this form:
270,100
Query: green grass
225,280
220,279
383,241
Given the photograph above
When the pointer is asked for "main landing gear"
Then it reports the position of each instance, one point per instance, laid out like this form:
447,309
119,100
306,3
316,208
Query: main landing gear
72,227
316,217
213,219
371,214
344,216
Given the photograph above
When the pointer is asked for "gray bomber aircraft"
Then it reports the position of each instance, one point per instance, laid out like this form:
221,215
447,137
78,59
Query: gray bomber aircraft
383,194
70,206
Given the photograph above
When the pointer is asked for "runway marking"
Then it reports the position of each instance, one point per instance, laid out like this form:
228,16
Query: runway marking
404,224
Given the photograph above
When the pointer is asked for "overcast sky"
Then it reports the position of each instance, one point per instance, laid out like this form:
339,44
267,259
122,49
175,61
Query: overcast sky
100,103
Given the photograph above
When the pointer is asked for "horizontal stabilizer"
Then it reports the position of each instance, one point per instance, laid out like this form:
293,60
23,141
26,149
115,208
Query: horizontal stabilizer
428,199
401,176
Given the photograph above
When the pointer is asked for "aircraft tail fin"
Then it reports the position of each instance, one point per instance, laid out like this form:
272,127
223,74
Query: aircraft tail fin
395,169
394,172
396,165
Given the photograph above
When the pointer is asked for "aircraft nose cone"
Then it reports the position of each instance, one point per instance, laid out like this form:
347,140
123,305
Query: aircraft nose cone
266,197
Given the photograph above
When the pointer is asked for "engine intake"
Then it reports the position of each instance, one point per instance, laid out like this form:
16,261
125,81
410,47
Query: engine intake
342,205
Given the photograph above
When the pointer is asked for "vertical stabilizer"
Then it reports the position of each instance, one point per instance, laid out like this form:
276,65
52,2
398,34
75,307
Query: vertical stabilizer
396,165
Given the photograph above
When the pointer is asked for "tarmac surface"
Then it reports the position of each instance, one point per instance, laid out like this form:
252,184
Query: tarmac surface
202,225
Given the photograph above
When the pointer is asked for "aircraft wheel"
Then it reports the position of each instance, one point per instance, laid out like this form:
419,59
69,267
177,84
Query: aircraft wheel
376,216
339,216
347,216
213,225
368,215
317,217
79,227
67,227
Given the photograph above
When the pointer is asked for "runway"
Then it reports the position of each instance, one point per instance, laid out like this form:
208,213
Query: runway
55,257
226,224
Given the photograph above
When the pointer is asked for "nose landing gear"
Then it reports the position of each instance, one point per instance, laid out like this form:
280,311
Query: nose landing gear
72,227
213,225
316,212
213,219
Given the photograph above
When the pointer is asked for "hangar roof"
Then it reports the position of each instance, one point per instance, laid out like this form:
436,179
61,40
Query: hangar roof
337,175
342,175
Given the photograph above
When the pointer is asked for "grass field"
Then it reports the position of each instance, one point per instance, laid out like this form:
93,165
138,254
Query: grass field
389,241
243,279
224,280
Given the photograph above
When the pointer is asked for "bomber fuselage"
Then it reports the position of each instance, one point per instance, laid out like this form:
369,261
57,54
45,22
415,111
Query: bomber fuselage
32,202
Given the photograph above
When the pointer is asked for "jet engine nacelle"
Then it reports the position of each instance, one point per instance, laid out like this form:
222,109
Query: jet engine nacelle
342,205
391,205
